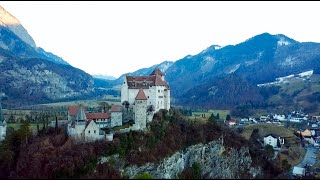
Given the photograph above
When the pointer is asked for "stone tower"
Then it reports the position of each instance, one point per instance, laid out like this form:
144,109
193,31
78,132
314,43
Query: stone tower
140,109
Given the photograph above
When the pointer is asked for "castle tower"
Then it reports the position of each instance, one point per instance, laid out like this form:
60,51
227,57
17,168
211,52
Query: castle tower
140,109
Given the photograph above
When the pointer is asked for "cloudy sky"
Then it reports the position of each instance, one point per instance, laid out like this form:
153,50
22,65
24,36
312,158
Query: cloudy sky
113,38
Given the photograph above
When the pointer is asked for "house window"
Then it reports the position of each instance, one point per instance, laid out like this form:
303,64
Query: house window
94,131
89,132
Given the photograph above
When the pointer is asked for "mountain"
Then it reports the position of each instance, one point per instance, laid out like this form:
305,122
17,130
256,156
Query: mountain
12,24
30,75
223,92
296,90
101,76
257,60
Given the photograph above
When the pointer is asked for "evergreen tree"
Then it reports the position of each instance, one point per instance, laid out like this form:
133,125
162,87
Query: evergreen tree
218,116
25,131
11,118
56,127
211,118
196,170
228,117
37,127
269,150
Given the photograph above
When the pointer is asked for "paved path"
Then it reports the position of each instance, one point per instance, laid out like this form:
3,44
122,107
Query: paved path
310,157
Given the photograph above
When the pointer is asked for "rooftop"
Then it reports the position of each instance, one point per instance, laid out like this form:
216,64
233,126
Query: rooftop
141,95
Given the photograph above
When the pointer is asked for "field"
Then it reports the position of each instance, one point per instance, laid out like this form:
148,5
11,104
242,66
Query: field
222,113
16,126
292,151
90,103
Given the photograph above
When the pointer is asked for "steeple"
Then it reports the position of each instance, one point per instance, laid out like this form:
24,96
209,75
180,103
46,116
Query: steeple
81,115
157,71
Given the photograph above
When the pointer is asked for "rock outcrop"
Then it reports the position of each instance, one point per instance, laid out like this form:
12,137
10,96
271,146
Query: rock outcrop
216,162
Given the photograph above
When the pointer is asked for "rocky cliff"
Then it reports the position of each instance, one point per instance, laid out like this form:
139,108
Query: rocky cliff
216,162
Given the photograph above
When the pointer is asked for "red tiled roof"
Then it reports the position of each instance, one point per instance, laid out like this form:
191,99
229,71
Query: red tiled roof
140,81
98,115
116,108
232,121
74,109
137,82
141,95
159,81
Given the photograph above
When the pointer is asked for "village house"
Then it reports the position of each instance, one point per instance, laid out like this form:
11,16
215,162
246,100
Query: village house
88,126
273,140
232,122
279,117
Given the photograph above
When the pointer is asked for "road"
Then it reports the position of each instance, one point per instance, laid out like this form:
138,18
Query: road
310,157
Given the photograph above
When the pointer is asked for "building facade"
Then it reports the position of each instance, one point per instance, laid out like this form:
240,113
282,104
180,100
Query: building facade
3,125
87,127
273,140
154,86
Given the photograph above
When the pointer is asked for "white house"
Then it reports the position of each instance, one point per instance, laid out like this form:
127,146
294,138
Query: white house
273,140
116,115
232,122
87,126
298,171
3,125
279,117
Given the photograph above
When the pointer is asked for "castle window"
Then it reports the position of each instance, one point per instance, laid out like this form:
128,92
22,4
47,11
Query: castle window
94,131
148,97
158,91
124,82
89,132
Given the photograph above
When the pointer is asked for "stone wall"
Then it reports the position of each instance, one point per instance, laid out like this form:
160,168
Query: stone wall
140,109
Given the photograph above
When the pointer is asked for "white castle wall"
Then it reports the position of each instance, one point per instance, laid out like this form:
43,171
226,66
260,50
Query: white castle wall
116,119
124,91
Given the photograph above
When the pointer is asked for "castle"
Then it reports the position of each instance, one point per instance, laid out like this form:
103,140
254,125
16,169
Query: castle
141,97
